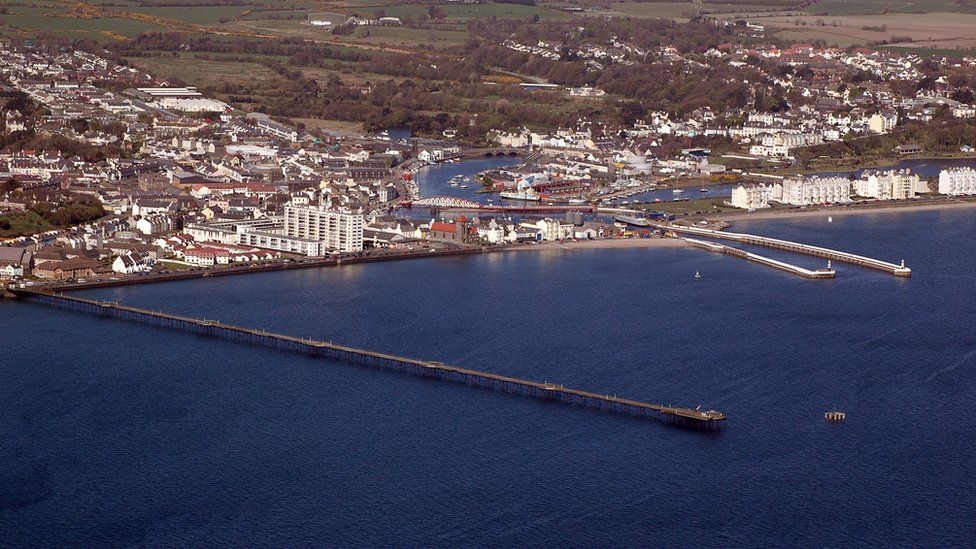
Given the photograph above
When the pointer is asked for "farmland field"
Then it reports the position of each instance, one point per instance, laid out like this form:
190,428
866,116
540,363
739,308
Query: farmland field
681,10
203,15
338,126
32,21
203,72
931,30
853,7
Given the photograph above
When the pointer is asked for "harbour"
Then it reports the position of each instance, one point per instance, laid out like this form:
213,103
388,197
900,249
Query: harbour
771,351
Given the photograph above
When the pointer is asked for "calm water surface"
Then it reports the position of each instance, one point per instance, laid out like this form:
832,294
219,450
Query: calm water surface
125,434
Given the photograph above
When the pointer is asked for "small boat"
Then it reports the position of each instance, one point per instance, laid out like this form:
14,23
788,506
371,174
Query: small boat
678,191
703,190
835,416
697,274
464,186
830,219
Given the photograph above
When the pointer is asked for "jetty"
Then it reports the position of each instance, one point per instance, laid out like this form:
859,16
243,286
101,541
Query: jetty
818,251
819,274
547,391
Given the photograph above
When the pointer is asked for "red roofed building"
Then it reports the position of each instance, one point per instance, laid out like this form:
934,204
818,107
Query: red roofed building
440,230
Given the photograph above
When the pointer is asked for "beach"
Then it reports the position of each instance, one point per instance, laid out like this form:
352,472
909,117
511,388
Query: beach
604,244
856,209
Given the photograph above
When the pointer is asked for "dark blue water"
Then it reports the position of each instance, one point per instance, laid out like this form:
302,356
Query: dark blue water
124,434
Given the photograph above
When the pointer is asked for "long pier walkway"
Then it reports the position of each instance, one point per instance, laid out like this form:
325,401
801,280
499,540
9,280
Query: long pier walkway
833,255
819,274
554,392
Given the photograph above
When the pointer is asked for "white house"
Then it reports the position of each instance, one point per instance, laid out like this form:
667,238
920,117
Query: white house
10,271
130,264
752,197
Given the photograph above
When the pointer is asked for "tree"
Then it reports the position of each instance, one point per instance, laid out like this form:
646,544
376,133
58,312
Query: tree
436,12
8,186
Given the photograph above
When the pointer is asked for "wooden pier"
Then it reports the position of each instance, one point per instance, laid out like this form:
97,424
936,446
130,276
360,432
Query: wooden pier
819,274
554,392
818,251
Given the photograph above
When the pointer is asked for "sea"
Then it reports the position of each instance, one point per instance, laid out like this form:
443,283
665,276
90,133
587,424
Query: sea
122,434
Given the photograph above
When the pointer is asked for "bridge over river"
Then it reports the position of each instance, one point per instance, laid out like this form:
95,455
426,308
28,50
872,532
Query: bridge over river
553,392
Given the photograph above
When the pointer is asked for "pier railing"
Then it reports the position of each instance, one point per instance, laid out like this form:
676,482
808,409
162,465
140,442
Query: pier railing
807,249
819,274
554,392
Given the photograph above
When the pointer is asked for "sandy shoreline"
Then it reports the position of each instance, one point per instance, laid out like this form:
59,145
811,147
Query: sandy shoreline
605,244
838,211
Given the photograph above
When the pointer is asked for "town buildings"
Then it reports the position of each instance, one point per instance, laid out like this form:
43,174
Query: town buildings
806,191
339,231
887,185
957,182
752,197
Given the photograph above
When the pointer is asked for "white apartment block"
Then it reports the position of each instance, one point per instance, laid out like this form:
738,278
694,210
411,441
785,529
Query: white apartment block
336,230
806,191
283,243
752,197
882,122
957,181
887,185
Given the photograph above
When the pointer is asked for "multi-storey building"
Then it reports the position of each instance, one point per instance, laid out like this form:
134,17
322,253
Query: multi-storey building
887,185
752,197
339,231
957,181
806,191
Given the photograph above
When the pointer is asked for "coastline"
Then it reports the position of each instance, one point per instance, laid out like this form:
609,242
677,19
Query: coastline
601,244
840,211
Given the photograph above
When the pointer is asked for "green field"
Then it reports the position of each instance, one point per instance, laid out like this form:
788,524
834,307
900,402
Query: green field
853,7
35,20
400,36
205,15
454,11
202,72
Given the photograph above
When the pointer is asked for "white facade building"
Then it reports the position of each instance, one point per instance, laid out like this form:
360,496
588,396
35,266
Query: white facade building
806,191
337,230
882,122
752,197
193,104
283,243
887,185
957,181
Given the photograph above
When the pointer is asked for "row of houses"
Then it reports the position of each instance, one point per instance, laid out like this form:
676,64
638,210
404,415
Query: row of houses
807,191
